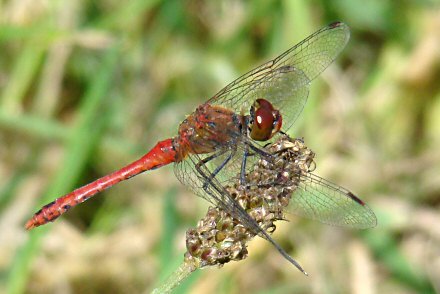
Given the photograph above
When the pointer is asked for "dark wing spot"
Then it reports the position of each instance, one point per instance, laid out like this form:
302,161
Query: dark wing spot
355,198
335,25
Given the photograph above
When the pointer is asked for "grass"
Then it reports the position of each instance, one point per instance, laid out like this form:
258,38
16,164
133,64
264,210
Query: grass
87,87
82,141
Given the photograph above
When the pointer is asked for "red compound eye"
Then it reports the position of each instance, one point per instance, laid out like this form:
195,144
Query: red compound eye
266,121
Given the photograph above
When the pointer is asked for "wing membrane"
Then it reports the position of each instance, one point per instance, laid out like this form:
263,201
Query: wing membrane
301,64
322,200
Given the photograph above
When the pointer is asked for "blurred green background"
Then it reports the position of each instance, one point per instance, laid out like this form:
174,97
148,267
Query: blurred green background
88,86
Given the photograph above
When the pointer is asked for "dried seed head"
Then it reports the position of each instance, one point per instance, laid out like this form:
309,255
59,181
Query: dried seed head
219,237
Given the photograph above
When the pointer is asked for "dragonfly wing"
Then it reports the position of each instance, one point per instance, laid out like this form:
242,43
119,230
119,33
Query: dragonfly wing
198,178
224,164
284,81
319,199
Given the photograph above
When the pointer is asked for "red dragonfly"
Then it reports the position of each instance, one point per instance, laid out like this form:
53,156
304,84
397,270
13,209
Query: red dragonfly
224,136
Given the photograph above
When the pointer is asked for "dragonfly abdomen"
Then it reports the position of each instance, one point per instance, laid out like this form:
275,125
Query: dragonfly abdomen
162,154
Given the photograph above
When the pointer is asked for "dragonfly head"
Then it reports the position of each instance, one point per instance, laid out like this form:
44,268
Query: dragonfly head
265,120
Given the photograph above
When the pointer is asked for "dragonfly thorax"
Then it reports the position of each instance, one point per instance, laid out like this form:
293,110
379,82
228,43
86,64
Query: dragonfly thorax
207,129
265,121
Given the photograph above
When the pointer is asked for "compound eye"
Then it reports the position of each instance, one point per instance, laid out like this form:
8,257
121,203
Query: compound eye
277,123
266,121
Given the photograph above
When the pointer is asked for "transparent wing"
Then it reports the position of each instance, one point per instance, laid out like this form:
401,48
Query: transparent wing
284,81
225,164
319,199
198,178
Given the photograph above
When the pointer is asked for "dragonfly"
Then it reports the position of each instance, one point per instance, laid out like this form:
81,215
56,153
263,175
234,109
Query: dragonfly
218,143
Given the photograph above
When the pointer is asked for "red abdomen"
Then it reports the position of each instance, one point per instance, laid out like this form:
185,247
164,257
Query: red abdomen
162,154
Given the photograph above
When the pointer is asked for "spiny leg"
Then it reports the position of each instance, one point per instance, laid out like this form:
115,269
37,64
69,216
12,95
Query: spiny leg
210,182
217,169
246,153
243,165
260,151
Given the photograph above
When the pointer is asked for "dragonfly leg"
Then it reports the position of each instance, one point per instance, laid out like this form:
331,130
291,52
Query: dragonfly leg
260,151
211,184
246,153
217,169
243,166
